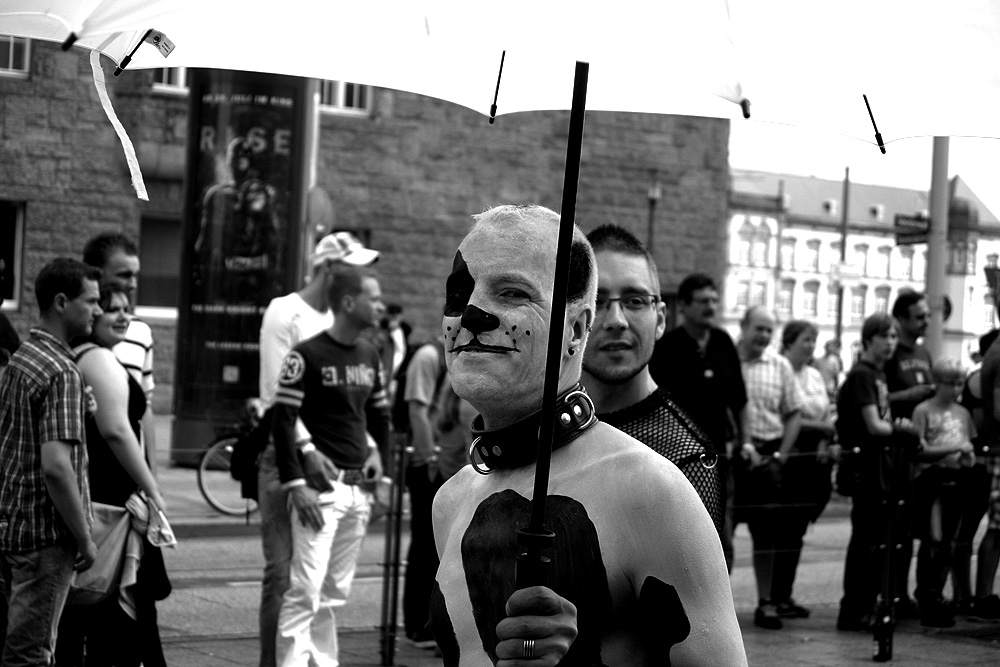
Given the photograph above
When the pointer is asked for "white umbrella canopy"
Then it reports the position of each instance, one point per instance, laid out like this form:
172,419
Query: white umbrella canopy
446,49
928,67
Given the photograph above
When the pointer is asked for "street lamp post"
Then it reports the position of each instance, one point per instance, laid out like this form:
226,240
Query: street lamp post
653,195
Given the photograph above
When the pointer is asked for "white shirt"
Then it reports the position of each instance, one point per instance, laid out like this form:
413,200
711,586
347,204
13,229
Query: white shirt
135,353
288,320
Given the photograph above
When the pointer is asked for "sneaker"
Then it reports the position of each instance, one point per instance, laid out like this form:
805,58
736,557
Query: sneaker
986,607
422,639
853,623
766,616
788,609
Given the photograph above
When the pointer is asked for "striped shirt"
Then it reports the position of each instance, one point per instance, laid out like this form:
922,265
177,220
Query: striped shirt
772,395
135,353
41,400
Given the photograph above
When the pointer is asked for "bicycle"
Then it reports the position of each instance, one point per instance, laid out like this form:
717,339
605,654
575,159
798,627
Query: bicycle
222,492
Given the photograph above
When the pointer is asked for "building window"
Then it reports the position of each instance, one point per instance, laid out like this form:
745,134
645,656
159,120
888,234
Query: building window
970,263
159,248
761,241
15,56
171,80
858,303
743,295
812,256
11,240
989,313
342,96
788,254
833,303
882,299
759,295
991,260
744,242
810,299
860,258
785,295
881,267
905,264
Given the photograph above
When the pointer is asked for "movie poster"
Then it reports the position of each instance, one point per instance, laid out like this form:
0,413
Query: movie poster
242,232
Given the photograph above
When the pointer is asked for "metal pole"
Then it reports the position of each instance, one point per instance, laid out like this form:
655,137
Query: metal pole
937,246
843,254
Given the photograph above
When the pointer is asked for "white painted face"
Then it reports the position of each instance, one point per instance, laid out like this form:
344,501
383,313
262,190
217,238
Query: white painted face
496,319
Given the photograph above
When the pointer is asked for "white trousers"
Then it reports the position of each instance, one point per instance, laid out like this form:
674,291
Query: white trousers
322,568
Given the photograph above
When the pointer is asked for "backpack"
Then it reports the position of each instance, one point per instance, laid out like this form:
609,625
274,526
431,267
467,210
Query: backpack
244,461
400,409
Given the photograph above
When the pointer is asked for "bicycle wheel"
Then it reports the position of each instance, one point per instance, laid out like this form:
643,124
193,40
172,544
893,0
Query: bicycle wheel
218,487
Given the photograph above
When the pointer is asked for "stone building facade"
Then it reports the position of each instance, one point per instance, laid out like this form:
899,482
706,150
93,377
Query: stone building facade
405,174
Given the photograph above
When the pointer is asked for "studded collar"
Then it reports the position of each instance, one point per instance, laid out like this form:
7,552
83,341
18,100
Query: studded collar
516,446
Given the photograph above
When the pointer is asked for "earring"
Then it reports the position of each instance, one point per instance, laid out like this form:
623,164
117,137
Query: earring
572,351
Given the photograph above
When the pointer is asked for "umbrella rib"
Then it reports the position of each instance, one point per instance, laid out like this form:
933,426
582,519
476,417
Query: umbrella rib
496,93
878,137
127,59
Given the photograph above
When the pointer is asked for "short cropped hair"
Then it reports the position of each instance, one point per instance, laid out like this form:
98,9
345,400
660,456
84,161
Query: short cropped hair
793,330
878,324
618,239
346,281
101,247
947,369
582,282
62,275
693,283
906,298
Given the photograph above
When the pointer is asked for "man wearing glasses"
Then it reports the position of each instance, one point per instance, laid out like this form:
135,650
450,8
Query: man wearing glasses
908,374
629,318
698,365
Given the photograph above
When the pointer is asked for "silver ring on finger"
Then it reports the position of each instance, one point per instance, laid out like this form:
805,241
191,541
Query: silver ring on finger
528,652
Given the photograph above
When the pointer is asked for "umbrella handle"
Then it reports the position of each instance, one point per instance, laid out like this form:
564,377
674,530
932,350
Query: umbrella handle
531,568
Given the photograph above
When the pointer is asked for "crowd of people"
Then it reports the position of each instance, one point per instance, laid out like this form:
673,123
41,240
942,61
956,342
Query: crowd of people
663,442
82,518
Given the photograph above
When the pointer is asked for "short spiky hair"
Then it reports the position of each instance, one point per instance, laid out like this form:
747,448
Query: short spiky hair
346,281
99,249
613,238
62,275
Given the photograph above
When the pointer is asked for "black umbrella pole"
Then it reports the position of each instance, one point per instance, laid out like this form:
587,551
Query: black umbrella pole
533,541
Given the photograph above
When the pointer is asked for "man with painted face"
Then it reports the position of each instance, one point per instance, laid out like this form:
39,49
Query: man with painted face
637,576
629,318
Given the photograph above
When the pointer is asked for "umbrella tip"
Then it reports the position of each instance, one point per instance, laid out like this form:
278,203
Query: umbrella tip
69,41
745,105
493,113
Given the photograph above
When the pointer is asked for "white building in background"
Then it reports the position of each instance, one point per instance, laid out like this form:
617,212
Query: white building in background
785,236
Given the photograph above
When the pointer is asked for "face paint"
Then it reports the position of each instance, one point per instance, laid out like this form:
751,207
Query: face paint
496,318
459,287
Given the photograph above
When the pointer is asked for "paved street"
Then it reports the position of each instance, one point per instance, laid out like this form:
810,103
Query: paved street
211,617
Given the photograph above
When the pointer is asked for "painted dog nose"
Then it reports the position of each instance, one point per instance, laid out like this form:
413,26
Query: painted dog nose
478,320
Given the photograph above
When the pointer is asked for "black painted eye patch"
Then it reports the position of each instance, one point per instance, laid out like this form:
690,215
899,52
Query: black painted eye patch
458,288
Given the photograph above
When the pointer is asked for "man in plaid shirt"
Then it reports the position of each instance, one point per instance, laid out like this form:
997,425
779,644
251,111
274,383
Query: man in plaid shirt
44,494
771,426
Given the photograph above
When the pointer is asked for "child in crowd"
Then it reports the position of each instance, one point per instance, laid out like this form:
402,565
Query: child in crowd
946,431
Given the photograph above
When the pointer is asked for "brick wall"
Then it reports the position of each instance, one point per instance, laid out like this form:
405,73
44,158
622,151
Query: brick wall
411,174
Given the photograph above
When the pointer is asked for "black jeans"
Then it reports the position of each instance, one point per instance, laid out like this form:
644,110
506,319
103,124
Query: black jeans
421,558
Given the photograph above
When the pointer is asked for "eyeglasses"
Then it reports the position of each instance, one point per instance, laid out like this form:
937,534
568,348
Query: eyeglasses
632,303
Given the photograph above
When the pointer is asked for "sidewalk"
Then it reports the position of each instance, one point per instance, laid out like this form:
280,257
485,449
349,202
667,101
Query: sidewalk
810,643
223,602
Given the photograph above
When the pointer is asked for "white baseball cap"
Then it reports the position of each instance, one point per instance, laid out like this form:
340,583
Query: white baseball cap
343,247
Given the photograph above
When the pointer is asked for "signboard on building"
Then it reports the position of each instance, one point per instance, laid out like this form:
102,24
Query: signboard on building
242,231
911,229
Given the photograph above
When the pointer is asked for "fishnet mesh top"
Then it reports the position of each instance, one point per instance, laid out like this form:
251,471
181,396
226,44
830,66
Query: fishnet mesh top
666,429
